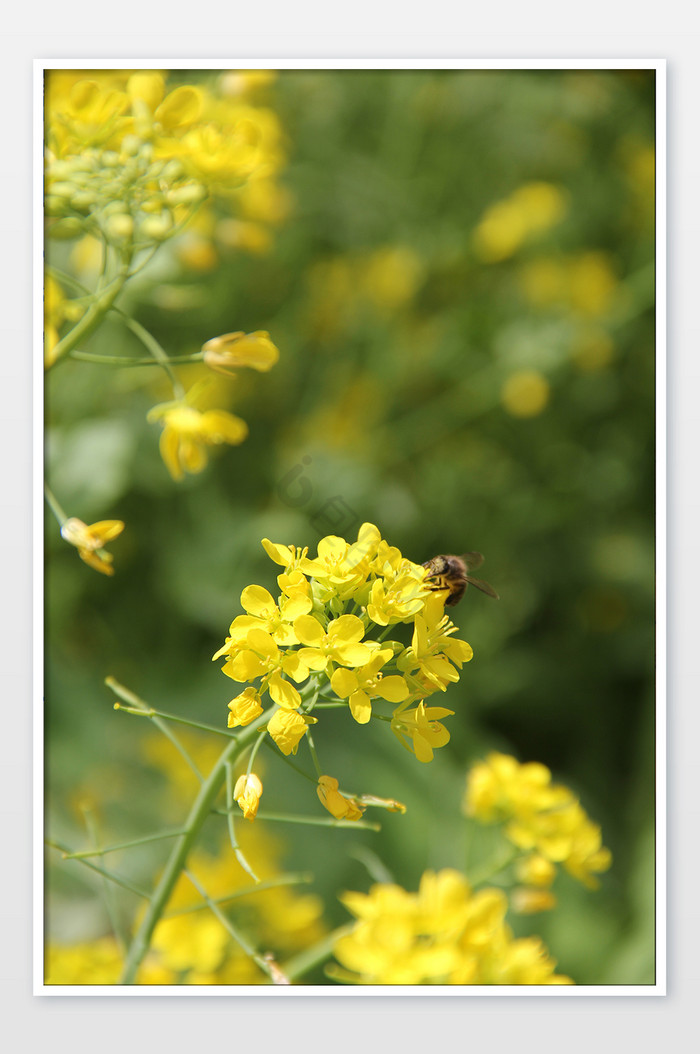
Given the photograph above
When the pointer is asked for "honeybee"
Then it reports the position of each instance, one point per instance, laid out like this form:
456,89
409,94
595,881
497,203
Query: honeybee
452,573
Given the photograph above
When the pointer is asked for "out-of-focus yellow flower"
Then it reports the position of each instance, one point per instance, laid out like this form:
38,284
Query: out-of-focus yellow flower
97,962
244,82
244,708
536,870
507,224
538,814
287,728
248,792
90,541
526,900
525,393
246,235
391,276
593,284
593,350
233,350
337,804
444,934
187,432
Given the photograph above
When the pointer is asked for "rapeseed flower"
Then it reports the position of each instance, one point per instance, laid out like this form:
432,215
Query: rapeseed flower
90,541
443,934
247,794
539,816
187,432
233,350
338,805
306,649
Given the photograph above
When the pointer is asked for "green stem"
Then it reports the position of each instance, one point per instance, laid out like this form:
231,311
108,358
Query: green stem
152,712
54,506
93,316
176,862
101,871
151,344
311,957
494,868
264,962
146,840
259,887
141,708
119,360
238,852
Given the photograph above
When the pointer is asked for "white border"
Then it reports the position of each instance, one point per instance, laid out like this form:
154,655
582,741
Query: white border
239,991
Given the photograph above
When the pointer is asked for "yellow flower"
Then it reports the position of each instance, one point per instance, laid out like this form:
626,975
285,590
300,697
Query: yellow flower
287,728
90,541
433,649
444,934
525,393
264,613
526,900
187,432
367,683
244,708
508,223
538,814
535,870
422,727
340,643
247,793
337,804
259,656
232,350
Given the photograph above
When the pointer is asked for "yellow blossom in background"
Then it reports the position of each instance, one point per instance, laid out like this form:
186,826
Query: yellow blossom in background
508,224
538,815
233,350
90,541
391,276
187,432
525,393
525,900
247,794
444,934
97,962
338,805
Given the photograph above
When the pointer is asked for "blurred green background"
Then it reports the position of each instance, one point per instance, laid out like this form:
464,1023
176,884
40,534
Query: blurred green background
462,292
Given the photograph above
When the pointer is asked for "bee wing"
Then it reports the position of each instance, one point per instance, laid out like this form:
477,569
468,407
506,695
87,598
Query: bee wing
472,560
483,586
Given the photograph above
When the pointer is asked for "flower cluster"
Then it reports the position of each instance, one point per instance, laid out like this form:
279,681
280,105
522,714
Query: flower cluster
543,819
322,641
130,159
444,934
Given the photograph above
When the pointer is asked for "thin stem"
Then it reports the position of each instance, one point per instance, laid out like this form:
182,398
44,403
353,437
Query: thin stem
201,808
238,852
102,871
146,840
494,868
311,957
278,753
119,360
318,821
94,315
254,751
107,890
54,506
314,756
152,712
151,344
264,962
259,887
